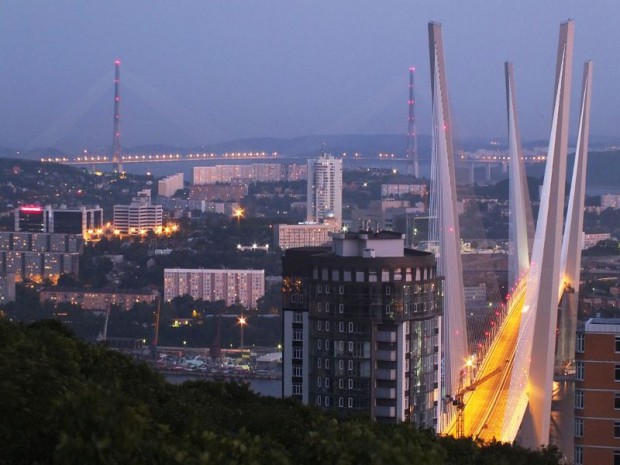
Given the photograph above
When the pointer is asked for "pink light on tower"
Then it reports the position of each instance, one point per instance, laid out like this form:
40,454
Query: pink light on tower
116,139
412,140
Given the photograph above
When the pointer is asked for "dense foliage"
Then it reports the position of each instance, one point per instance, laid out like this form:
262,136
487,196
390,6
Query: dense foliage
63,401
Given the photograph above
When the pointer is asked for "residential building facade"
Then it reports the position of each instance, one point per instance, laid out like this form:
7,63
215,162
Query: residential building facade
232,286
168,186
324,190
362,328
287,236
139,217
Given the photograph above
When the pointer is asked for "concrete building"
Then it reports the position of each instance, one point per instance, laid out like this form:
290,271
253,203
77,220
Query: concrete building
84,220
231,286
221,192
38,256
597,393
167,186
324,191
362,328
7,288
610,201
398,190
590,240
256,172
139,217
287,236
100,299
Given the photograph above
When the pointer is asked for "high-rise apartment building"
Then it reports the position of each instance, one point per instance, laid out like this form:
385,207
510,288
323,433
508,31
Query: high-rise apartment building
324,192
139,217
362,328
167,186
597,392
232,286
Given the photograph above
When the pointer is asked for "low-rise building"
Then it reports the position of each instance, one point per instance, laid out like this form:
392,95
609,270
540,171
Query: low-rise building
139,217
287,236
590,240
168,186
98,299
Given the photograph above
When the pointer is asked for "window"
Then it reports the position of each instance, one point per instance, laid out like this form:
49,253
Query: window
319,343
341,366
326,380
297,353
617,400
617,373
326,308
296,389
351,381
341,381
579,427
318,400
326,344
341,289
350,366
580,371
341,346
581,340
341,326
297,371
340,401
297,317
387,290
319,325
350,402
350,326
327,363
294,298
617,457
350,346
327,326
616,429
578,455
578,398
319,307
318,381
297,334
617,343
327,288
319,363
340,308
326,401
319,288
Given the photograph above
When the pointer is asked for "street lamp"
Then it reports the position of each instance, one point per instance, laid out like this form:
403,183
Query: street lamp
238,213
241,321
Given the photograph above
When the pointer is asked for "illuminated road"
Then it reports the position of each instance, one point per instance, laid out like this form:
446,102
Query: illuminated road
483,413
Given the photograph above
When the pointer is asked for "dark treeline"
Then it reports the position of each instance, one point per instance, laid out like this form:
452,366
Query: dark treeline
66,402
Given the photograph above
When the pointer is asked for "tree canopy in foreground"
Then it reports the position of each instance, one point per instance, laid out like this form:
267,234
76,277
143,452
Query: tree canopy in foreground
63,401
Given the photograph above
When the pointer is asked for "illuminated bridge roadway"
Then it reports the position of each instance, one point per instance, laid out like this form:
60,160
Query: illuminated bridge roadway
483,413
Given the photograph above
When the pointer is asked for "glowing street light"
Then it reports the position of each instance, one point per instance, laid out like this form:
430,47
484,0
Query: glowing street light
241,321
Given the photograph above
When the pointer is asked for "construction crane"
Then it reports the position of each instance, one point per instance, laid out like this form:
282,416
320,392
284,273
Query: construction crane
458,400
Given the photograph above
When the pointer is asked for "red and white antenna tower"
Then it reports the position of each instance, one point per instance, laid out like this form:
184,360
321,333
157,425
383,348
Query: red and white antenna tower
412,140
116,140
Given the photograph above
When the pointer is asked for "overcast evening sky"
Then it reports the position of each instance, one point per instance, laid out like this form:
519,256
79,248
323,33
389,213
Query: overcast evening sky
198,72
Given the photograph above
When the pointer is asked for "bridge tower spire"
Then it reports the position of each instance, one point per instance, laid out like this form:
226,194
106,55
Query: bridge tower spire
532,381
521,221
571,245
446,229
116,138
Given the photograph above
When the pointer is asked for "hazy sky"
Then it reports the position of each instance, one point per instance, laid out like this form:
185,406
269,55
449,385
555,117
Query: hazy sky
204,71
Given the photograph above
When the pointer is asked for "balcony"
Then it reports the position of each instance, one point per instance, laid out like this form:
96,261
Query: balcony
385,393
386,374
386,355
383,411
386,336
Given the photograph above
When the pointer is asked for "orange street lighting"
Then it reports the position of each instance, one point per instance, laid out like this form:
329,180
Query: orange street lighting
238,213
241,321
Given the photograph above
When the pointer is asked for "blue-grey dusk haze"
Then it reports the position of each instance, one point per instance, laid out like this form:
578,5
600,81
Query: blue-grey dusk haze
200,72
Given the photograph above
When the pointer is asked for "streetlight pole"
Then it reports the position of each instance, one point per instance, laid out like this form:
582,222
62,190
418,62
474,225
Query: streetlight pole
242,322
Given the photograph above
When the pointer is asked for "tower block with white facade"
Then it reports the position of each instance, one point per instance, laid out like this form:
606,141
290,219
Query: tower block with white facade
324,192
447,225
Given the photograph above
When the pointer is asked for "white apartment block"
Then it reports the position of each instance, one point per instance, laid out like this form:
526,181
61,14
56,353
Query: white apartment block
324,191
610,201
396,190
167,186
590,240
139,217
231,286
288,236
259,172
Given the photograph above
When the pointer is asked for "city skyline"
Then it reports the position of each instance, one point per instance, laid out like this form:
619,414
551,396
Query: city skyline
208,73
